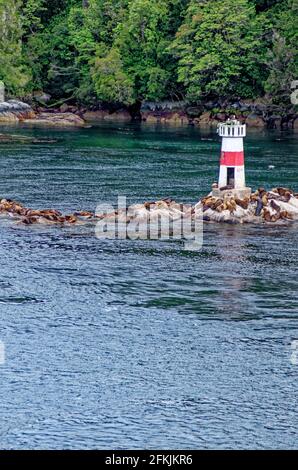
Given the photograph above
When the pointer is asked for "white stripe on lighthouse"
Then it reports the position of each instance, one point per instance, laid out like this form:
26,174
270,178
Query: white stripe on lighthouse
234,144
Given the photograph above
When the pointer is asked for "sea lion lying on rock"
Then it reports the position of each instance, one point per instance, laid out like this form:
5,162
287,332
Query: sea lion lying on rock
278,205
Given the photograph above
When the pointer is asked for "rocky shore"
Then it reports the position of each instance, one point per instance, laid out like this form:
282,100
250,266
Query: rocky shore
14,111
254,113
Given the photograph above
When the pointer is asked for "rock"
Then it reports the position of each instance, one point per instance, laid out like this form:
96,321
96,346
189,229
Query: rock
165,118
65,108
118,116
167,106
121,115
23,139
221,117
175,118
211,105
151,118
41,97
94,115
244,107
53,119
253,120
274,122
204,120
166,112
14,111
8,117
194,111
260,108
236,105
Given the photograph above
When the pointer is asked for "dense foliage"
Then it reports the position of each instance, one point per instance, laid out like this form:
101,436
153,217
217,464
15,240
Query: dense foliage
127,51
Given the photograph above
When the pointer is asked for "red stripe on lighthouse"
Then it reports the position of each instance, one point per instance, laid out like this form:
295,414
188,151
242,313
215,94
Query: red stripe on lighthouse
232,158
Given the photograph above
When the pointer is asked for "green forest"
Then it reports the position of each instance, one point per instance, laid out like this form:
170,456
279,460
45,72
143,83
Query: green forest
130,51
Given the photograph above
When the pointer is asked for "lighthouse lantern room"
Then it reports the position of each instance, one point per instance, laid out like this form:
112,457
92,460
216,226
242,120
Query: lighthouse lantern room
232,170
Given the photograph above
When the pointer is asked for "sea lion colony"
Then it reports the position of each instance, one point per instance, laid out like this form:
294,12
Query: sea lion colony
280,205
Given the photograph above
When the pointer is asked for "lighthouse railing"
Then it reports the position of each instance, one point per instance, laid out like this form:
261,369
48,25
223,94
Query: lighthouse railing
231,130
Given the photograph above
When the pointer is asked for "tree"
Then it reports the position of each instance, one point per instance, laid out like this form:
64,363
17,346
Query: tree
282,58
220,49
13,70
111,83
32,11
280,64
160,49
142,42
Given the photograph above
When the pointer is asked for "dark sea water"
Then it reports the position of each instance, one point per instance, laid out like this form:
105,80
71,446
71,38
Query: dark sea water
141,344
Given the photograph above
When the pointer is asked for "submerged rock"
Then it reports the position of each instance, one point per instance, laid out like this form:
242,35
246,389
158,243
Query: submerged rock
23,139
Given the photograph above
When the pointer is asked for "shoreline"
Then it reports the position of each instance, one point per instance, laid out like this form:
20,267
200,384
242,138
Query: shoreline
255,114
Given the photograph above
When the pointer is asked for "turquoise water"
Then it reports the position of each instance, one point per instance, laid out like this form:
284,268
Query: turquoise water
141,344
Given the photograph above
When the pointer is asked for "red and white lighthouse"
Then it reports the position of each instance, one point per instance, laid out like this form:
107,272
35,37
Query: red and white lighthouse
232,168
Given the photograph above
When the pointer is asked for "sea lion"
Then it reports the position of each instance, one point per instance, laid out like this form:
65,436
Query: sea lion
149,204
220,208
264,199
168,200
283,191
29,220
254,197
285,215
231,205
242,202
266,215
84,214
286,197
217,204
259,207
274,205
71,219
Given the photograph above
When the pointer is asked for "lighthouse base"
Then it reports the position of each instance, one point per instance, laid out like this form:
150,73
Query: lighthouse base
240,193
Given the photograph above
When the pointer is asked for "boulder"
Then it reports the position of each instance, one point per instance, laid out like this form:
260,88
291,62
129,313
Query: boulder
99,115
150,118
168,106
15,111
8,117
253,120
53,119
64,108
194,111
221,117
204,119
174,118
121,115
244,107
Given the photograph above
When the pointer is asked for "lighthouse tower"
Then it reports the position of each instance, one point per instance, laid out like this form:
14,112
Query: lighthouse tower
232,170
